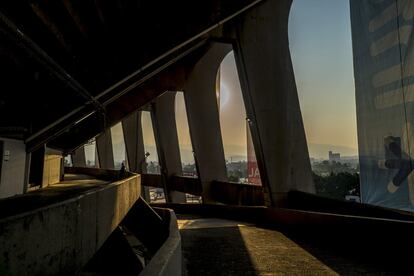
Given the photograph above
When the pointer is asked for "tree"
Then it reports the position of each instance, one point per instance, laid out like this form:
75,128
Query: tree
337,185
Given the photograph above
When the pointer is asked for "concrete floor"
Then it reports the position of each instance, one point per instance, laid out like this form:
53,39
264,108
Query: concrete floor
73,186
223,247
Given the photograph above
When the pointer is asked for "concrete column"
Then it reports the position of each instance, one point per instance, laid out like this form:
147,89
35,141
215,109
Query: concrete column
52,170
134,144
165,131
105,150
203,117
79,157
270,95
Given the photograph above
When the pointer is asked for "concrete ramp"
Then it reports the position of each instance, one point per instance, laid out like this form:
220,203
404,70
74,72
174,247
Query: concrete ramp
56,231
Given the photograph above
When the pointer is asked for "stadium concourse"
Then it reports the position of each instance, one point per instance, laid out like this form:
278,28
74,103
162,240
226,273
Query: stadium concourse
71,70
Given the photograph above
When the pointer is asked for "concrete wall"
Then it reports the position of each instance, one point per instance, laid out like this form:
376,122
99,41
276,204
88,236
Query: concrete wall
13,168
59,239
168,259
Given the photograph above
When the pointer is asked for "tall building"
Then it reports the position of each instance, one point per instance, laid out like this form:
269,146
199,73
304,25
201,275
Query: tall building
334,156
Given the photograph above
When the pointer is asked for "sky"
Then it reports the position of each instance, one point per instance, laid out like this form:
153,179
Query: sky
321,50
232,111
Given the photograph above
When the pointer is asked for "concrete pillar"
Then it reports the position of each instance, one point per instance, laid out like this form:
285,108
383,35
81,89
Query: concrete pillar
269,90
203,117
134,144
105,150
79,157
52,168
165,132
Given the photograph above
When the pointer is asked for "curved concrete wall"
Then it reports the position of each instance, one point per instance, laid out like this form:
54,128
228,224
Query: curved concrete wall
168,259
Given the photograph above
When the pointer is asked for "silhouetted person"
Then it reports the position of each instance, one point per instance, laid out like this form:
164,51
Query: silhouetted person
122,171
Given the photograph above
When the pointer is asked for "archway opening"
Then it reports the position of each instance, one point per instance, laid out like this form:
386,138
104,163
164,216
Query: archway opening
321,49
238,147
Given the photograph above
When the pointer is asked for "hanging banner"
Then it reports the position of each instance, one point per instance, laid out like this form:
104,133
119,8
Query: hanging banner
384,85
253,175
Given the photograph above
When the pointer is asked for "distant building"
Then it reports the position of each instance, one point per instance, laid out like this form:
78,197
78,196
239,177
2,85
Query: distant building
334,156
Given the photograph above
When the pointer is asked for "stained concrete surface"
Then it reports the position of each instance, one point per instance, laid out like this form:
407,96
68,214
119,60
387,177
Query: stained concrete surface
224,247
56,230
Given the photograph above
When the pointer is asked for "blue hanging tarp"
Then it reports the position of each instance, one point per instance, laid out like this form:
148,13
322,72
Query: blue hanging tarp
382,36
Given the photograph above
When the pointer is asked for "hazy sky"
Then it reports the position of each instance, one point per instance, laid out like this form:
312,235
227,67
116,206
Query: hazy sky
148,135
232,111
182,123
321,48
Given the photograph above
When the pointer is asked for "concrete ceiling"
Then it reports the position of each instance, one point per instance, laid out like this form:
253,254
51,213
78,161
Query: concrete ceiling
69,68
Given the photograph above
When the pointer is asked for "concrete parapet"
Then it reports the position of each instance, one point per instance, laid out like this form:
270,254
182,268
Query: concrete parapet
104,174
168,259
59,239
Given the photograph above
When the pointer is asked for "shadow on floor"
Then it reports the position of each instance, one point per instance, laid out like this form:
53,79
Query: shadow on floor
215,251
378,252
